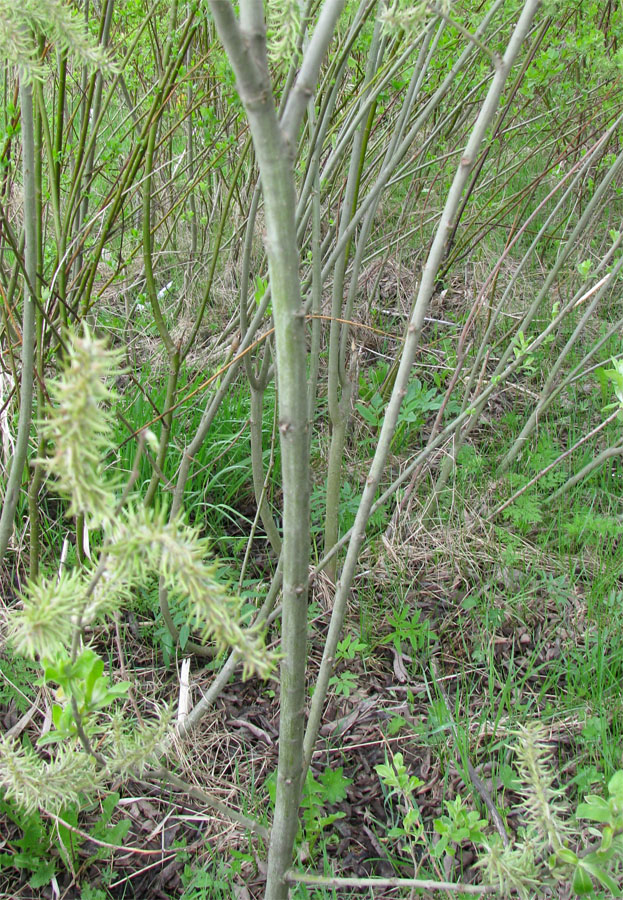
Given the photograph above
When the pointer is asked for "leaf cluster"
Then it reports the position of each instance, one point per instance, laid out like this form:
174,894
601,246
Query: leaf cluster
32,852
318,793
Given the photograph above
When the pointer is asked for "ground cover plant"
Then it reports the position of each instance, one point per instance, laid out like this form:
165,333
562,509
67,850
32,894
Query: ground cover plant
312,399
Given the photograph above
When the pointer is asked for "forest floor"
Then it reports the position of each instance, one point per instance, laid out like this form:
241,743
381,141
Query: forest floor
441,677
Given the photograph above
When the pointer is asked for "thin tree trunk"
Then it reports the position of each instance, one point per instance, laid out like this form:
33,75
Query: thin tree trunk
245,45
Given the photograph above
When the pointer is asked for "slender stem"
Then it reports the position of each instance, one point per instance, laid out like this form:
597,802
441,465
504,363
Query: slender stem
209,800
584,472
218,239
424,884
414,330
20,454
190,156
246,49
553,464
339,406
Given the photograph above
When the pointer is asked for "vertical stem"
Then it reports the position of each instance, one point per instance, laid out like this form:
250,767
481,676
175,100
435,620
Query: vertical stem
339,406
273,142
190,156
28,319
414,330
37,474
92,93
55,188
173,352
316,286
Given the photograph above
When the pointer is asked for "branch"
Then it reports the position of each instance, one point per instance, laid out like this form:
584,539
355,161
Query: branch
252,83
424,884
307,78
209,800
414,330
14,482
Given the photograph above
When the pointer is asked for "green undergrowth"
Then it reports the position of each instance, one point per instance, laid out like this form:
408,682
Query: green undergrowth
527,617
219,498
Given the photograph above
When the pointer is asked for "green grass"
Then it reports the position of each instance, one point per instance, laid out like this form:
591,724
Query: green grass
219,497
533,571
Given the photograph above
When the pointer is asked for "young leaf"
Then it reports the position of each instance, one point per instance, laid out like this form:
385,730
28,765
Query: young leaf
582,883
589,864
615,787
335,784
595,808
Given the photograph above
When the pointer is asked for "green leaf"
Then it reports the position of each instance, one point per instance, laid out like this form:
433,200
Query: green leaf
57,712
615,787
114,692
595,808
116,834
43,874
606,840
312,792
69,841
584,267
183,638
590,865
395,724
109,804
335,784
567,856
63,721
94,670
6,860
260,289
323,821
582,883
616,377
271,786
368,415
412,823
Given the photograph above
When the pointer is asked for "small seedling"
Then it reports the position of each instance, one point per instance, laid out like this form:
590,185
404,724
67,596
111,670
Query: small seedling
397,780
349,648
458,826
343,683
408,629
329,789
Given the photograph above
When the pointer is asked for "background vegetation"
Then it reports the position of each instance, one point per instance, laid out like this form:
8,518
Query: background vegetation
359,280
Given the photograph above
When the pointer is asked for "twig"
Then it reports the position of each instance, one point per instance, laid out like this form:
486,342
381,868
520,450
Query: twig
425,884
438,11
94,840
548,468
